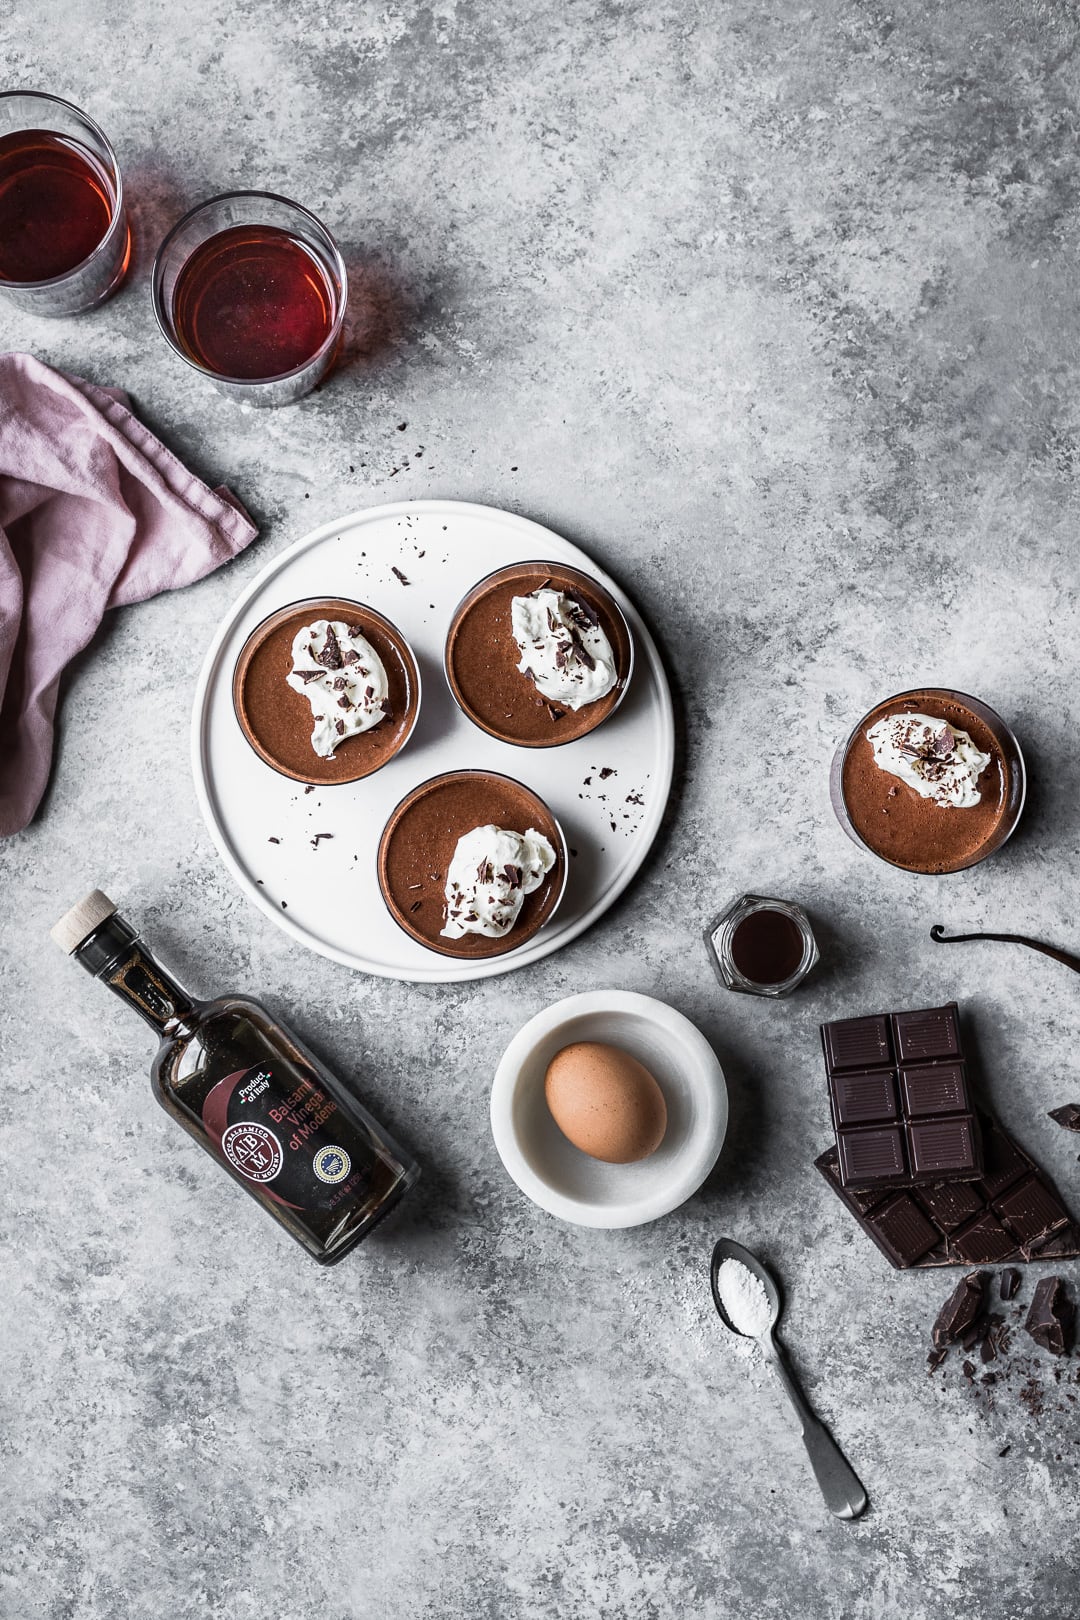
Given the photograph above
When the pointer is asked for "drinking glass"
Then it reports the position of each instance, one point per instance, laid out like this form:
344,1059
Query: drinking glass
58,176
250,289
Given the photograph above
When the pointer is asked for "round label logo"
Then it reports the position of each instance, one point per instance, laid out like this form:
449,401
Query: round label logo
252,1149
332,1164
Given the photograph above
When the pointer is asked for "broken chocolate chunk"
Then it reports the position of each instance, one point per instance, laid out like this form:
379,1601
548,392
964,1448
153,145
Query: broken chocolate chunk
349,655
355,631
935,1358
1067,1115
1050,1319
1010,1282
309,674
959,1312
330,656
344,702
944,743
339,727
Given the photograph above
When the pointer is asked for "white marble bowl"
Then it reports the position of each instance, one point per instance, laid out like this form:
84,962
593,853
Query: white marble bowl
568,1183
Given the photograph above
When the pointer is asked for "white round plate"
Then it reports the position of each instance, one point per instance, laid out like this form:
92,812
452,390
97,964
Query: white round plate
608,790
567,1183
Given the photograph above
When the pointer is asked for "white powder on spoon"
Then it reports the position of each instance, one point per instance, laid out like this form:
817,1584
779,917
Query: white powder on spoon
744,1298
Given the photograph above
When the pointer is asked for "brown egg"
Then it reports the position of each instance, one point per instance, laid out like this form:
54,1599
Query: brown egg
605,1102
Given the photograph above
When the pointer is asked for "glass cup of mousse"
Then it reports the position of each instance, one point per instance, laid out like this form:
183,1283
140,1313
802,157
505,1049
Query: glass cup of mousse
971,775
280,721
523,708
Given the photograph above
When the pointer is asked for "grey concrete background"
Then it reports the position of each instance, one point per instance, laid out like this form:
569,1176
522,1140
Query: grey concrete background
777,311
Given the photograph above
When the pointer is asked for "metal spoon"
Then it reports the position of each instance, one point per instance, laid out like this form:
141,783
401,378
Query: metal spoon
839,1483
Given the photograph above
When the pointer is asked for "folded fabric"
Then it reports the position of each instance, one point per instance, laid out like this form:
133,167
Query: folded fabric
94,513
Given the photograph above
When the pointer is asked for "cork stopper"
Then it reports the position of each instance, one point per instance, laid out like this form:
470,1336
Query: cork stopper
79,923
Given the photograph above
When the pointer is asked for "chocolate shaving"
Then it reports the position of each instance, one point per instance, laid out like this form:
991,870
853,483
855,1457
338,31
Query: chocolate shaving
338,684
512,874
330,657
344,702
608,770
309,674
1010,1282
416,905
399,575
339,727
584,608
556,714
273,840
386,706
944,743
349,655
1068,1116
318,838
355,631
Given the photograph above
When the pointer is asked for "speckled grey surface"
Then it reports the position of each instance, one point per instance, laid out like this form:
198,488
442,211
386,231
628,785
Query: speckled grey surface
776,310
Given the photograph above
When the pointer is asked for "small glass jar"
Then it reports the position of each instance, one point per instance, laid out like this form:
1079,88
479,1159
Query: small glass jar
761,946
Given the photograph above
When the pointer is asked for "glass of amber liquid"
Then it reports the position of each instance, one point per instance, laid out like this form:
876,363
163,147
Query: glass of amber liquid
250,289
65,243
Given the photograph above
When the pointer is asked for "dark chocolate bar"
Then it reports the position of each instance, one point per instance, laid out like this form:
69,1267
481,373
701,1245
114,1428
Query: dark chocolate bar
899,1095
1012,1213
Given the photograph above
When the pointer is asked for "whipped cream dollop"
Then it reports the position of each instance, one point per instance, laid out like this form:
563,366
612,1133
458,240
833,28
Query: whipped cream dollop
563,647
343,678
491,873
937,760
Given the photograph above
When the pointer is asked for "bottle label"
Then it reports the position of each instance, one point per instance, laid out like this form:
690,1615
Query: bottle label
284,1132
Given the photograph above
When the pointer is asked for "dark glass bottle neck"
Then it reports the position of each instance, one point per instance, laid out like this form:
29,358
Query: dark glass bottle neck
116,955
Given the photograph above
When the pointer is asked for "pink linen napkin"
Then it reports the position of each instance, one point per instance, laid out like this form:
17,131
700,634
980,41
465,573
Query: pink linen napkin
94,513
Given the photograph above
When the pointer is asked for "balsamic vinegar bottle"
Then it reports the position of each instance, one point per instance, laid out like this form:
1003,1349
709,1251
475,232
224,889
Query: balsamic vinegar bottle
251,1094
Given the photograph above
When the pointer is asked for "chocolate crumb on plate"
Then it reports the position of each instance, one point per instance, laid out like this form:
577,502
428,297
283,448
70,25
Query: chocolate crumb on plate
398,575
1068,1115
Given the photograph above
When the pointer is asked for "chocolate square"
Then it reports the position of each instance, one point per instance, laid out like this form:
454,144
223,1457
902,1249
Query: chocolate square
857,1043
927,1036
939,1088
1031,1210
943,1147
860,1097
950,1203
903,1231
983,1241
871,1156
1004,1162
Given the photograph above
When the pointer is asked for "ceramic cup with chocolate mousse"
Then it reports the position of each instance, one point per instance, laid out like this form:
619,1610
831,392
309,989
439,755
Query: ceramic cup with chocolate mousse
539,654
472,864
326,690
932,781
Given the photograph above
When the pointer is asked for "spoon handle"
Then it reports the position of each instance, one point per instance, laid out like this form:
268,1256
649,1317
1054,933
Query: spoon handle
840,1485
940,937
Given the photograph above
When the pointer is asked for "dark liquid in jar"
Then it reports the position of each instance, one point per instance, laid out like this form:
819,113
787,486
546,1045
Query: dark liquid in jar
56,205
253,303
767,947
